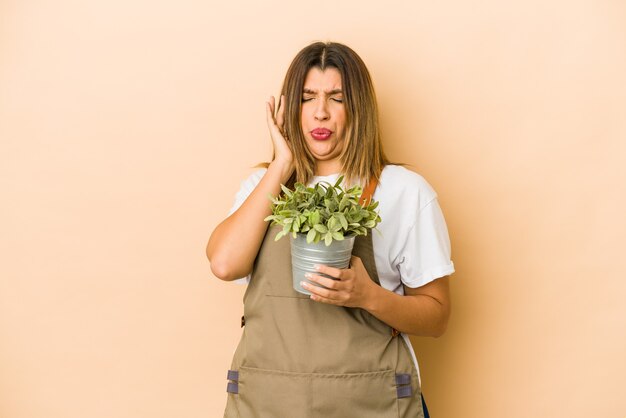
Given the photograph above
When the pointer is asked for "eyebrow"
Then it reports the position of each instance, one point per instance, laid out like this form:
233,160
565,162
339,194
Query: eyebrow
330,93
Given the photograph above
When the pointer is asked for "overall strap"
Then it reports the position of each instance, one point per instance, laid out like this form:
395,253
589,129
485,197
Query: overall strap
368,192
363,246
366,198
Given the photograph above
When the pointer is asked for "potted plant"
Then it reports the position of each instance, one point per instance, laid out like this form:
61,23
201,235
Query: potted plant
323,222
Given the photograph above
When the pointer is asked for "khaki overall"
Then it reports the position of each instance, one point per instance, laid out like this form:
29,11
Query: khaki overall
303,359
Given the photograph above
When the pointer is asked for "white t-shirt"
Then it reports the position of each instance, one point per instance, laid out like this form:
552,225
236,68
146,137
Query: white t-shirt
411,246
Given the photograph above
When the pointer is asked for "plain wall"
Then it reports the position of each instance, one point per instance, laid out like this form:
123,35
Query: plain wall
127,126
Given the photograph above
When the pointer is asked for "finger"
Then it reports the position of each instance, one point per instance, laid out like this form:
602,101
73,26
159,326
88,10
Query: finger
324,281
270,114
280,113
272,103
330,271
322,299
356,263
318,291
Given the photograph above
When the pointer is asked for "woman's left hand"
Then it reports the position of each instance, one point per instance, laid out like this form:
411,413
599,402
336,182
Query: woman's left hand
352,287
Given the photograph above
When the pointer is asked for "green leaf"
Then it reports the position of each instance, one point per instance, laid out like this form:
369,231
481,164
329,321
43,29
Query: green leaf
280,235
314,218
310,237
342,220
328,238
344,202
338,236
285,190
320,228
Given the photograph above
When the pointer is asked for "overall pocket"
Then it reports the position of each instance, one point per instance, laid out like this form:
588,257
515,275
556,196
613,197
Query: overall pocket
278,394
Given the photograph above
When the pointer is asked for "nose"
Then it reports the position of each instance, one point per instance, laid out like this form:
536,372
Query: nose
321,110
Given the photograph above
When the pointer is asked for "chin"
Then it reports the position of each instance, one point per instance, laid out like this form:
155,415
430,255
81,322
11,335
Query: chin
323,150
324,156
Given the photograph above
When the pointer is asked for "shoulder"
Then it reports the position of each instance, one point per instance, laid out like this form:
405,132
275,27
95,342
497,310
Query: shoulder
399,183
253,179
246,187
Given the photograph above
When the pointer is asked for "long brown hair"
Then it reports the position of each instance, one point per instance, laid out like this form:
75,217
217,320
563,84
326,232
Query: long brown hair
362,156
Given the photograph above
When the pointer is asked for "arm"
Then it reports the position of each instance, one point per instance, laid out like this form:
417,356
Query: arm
235,242
422,311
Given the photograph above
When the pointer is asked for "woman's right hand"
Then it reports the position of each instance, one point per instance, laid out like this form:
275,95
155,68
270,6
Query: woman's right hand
283,156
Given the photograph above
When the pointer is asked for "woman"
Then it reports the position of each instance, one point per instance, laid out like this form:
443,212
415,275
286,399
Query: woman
343,351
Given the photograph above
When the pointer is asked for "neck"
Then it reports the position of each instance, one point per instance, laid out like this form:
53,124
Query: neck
326,168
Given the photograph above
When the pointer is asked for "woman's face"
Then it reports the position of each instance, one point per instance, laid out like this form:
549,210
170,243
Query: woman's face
324,118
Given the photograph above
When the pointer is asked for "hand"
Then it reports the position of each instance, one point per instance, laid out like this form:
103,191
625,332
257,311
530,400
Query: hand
353,286
275,123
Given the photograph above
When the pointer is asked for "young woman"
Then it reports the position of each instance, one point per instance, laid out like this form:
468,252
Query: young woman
343,351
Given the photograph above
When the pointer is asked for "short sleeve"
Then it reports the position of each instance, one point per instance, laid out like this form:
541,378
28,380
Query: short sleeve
425,255
246,187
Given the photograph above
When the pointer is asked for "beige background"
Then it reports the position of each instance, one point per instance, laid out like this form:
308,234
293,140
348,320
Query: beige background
127,126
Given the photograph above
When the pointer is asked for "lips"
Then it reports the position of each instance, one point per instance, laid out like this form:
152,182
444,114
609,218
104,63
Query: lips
321,134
